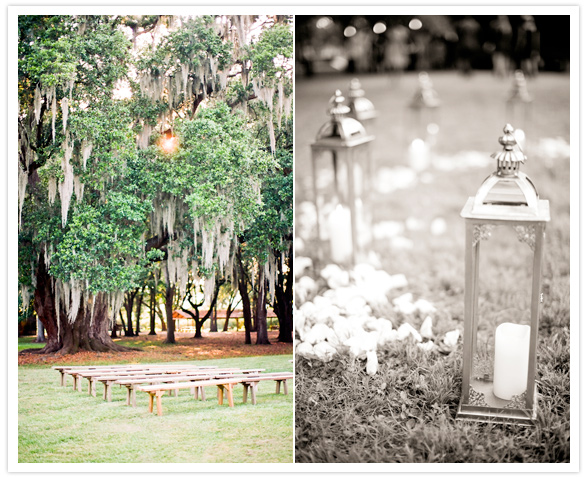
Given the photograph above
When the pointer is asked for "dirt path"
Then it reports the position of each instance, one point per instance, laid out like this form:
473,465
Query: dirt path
210,346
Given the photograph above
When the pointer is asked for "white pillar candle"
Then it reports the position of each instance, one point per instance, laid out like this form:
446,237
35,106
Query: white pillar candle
510,372
418,155
339,227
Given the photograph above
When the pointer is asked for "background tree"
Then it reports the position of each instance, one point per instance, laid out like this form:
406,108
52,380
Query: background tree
155,177
74,141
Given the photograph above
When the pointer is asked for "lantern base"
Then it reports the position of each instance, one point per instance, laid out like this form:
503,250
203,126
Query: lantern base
524,417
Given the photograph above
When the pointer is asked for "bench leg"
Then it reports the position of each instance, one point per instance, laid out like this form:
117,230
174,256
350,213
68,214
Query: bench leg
108,391
220,394
133,395
159,407
228,388
245,391
277,386
254,393
62,378
151,396
176,392
128,395
202,393
285,386
74,381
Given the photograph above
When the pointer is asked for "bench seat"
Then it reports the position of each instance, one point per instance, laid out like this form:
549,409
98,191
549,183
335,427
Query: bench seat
224,384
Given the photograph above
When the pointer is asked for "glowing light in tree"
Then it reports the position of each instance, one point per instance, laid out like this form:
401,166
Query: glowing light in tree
168,144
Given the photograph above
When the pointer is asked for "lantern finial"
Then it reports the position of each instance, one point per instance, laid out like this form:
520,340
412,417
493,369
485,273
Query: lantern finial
520,89
355,89
337,106
426,96
360,107
340,127
508,160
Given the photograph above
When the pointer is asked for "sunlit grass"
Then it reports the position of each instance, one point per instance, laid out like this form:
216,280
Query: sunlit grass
57,424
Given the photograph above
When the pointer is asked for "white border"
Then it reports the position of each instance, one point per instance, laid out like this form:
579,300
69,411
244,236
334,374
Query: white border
375,7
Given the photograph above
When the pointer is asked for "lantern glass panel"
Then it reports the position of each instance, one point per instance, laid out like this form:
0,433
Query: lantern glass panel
499,370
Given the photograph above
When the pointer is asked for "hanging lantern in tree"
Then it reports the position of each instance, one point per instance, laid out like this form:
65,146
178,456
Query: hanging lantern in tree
502,292
346,141
519,107
423,123
361,108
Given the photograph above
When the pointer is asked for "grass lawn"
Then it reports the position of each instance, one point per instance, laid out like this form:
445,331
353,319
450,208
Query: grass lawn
406,412
57,424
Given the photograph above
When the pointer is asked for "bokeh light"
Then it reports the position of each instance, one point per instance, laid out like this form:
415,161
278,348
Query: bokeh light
350,31
379,28
415,24
323,22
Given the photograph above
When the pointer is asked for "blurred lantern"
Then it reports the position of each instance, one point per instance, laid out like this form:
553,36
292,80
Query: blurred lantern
345,139
423,119
361,108
502,309
168,142
519,108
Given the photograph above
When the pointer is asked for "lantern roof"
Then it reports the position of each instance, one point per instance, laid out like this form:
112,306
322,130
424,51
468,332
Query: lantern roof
426,96
360,107
340,128
507,194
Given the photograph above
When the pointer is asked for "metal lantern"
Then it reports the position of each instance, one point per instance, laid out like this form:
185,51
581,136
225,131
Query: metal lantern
361,108
422,123
501,325
346,140
519,107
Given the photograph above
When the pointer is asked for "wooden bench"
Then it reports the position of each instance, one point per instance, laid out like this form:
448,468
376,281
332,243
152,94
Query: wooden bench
252,384
224,383
65,370
156,391
77,374
140,378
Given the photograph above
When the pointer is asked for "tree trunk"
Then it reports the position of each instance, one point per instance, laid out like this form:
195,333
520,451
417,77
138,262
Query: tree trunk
214,320
138,311
152,312
262,337
169,294
128,306
284,301
229,311
200,322
40,332
161,319
85,333
242,288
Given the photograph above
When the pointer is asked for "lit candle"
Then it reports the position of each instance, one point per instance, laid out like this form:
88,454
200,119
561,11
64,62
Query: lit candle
419,155
510,372
339,227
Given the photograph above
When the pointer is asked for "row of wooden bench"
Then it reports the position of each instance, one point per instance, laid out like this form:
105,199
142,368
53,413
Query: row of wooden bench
158,379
